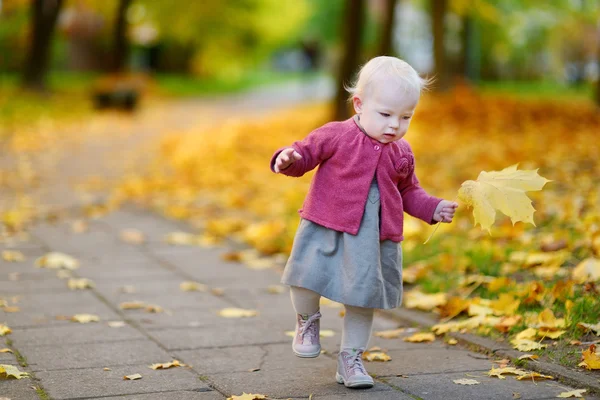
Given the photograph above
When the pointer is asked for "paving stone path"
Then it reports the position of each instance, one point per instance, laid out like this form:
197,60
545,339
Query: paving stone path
225,357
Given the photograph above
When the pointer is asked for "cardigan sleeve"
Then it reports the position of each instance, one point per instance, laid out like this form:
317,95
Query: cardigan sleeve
415,199
314,149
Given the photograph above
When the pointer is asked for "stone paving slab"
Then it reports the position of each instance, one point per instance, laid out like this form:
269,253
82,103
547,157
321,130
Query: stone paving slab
176,318
438,387
95,382
359,394
42,309
46,358
73,334
139,270
33,286
18,389
189,395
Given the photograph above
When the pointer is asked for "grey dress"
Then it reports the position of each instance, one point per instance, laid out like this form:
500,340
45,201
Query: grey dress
357,270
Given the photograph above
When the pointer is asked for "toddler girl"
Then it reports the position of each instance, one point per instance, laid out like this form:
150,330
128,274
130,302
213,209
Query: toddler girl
347,244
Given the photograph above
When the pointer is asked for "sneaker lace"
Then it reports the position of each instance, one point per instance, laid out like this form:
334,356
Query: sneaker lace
308,328
355,364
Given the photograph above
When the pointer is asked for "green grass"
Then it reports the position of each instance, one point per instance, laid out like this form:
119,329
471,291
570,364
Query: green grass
539,89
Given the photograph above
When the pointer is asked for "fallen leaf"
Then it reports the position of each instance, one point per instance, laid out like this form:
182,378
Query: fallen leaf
528,333
424,301
79,226
6,351
375,355
587,271
81,283
452,341
591,359
181,238
217,291
191,286
132,236
503,191
13,256
4,330
276,289
499,372
589,327
248,396
116,324
420,337
529,357
132,305
527,345
11,309
533,376
153,308
237,313
7,371
106,369
132,377
466,381
174,363
330,303
55,260
85,318
390,334
572,393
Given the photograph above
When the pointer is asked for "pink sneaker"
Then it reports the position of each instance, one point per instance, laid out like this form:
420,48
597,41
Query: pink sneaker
351,371
306,342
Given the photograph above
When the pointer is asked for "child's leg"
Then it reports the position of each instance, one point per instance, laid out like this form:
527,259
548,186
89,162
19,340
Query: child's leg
304,301
358,322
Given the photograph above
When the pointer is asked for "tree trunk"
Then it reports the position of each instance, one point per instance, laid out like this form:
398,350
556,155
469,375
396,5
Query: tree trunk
387,31
438,12
120,43
44,14
598,81
470,66
352,30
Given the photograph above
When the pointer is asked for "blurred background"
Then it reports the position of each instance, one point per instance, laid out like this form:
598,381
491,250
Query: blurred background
119,49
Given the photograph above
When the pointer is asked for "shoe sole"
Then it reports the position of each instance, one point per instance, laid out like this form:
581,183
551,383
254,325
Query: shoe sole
307,355
353,385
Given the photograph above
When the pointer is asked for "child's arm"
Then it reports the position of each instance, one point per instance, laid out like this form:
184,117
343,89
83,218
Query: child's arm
305,155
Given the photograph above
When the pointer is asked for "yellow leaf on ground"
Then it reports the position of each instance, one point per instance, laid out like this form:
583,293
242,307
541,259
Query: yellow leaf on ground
248,396
390,334
373,355
503,191
132,236
7,371
452,341
116,324
81,283
55,260
528,333
508,322
506,304
85,318
4,330
420,337
533,376
132,305
529,357
79,226
174,363
499,372
6,351
191,286
591,359
132,377
13,256
572,393
465,381
153,308
552,334
276,289
424,301
595,327
527,345
10,309
330,303
548,321
237,313
587,271
181,238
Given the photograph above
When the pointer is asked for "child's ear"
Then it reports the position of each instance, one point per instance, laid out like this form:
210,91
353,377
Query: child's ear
357,103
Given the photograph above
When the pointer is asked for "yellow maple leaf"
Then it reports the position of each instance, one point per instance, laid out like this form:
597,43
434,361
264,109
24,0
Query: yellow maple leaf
174,363
390,334
506,304
248,396
499,372
527,345
6,350
587,271
237,313
424,301
4,330
590,327
191,286
503,191
12,256
8,371
55,260
420,337
572,393
533,376
591,359
132,305
85,318
376,355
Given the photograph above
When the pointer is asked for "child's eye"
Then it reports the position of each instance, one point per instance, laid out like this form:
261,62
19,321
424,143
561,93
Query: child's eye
407,117
384,114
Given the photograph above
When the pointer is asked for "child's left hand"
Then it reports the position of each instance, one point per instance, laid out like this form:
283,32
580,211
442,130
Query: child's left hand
444,212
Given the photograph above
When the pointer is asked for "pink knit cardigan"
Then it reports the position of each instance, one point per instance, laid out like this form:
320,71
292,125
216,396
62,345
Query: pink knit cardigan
348,160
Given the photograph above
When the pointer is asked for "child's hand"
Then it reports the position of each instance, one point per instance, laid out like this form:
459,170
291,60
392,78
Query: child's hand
286,158
444,212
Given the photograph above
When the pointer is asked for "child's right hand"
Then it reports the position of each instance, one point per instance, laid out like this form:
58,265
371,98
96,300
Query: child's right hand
286,158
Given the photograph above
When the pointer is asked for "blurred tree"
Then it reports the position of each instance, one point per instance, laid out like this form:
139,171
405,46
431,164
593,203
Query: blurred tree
44,14
438,14
352,28
120,41
387,29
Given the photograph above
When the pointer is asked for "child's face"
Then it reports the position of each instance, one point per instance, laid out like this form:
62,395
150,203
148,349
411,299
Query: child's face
385,110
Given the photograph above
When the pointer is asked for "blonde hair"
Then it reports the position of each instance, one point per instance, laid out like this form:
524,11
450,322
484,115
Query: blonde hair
393,68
